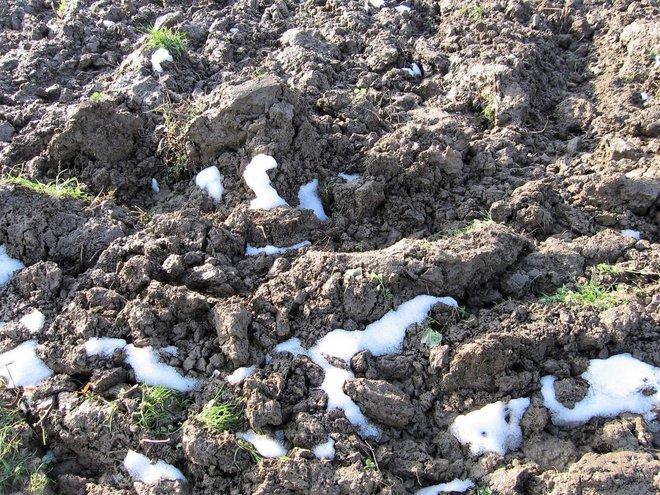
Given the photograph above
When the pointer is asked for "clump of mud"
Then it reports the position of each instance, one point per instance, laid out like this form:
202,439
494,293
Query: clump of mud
516,172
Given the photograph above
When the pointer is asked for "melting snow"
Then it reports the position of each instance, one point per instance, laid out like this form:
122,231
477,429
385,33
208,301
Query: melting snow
158,57
402,8
257,179
308,197
413,71
154,186
149,370
33,321
618,384
381,337
270,250
453,486
142,469
234,30
265,445
493,428
21,367
376,3
325,450
8,266
632,233
210,179
240,374
104,346
384,336
349,177
292,346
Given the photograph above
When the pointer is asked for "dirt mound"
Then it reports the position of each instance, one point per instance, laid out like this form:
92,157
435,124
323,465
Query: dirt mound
497,155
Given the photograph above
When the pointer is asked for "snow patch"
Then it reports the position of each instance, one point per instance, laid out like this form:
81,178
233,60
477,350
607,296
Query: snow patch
240,374
632,233
257,179
33,321
381,337
292,346
493,428
265,445
402,8
308,197
271,250
413,71
158,57
210,180
108,23
325,450
349,177
8,266
21,367
384,336
154,186
376,3
234,30
104,346
618,384
142,469
149,370
453,486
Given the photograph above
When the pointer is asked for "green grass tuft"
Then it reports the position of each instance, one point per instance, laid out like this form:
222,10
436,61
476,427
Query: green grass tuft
159,410
16,464
59,188
590,294
474,12
173,41
218,416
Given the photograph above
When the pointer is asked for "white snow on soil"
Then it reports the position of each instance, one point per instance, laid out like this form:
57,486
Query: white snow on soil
308,197
292,346
210,180
455,486
21,367
8,266
150,371
617,385
384,336
376,3
402,8
142,469
266,446
105,346
349,177
325,450
257,179
413,71
380,337
271,250
154,186
493,428
632,233
33,321
239,375
158,57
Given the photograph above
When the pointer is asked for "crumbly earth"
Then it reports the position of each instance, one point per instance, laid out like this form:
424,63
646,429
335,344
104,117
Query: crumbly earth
532,113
